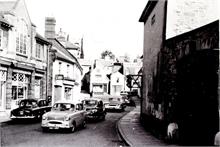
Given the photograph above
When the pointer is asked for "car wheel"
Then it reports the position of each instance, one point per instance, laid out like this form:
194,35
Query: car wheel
103,117
73,128
84,124
44,129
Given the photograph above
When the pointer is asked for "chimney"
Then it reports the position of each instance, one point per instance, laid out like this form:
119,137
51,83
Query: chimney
50,23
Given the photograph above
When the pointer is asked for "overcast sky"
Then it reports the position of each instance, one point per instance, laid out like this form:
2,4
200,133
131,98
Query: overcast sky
104,24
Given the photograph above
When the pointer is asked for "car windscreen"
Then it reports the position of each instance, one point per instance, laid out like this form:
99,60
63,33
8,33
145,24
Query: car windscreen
114,99
28,104
63,107
90,102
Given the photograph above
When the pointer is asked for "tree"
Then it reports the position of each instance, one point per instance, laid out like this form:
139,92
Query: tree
107,53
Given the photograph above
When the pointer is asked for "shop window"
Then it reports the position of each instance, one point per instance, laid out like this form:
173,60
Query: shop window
68,92
105,88
18,92
3,75
21,77
37,88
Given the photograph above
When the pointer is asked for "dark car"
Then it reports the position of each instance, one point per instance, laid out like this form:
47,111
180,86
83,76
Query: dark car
115,103
95,108
30,108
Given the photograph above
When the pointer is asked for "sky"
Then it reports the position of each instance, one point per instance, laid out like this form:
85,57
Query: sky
104,24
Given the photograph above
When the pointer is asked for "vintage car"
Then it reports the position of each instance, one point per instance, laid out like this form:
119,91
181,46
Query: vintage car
115,103
95,108
30,108
64,115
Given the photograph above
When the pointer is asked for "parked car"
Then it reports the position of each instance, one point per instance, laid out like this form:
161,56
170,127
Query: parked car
115,103
64,115
95,108
30,108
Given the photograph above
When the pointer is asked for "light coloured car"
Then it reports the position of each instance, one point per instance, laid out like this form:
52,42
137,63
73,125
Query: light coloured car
115,103
64,115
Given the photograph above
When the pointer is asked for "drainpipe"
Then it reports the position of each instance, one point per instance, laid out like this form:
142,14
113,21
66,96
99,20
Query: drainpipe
47,69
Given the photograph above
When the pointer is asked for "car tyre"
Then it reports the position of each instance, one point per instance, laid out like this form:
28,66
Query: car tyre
84,124
103,117
73,128
44,129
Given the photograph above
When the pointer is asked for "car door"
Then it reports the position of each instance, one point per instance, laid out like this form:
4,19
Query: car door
78,114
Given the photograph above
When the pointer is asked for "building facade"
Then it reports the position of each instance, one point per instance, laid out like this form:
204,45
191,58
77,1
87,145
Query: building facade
180,77
117,83
99,82
64,71
23,56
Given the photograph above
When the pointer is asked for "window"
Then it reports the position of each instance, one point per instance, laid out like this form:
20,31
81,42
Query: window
153,19
39,51
60,67
21,39
3,38
67,70
68,93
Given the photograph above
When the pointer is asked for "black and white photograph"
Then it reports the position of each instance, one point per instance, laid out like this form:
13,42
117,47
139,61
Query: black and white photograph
109,73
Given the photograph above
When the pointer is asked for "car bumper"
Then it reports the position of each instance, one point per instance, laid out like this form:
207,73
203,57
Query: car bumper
56,124
22,117
113,107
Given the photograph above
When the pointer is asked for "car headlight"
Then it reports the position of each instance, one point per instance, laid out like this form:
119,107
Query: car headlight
66,118
94,110
44,117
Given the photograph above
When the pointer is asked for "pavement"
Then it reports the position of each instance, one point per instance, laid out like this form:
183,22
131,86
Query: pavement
133,133
4,116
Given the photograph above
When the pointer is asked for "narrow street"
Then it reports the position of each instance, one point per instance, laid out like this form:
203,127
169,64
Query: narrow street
97,133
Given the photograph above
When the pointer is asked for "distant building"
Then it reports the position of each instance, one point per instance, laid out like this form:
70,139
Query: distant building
65,72
117,83
23,56
99,82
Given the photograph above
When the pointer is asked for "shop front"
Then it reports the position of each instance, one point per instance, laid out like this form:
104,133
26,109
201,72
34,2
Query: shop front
3,75
20,83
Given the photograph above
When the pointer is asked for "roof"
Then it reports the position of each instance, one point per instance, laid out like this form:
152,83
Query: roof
42,39
70,45
103,62
67,55
4,21
147,10
6,6
85,62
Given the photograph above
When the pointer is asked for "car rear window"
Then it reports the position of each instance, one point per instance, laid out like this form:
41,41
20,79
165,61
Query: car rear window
90,102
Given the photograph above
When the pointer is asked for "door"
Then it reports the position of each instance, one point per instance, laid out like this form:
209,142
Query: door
57,94
18,93
2,95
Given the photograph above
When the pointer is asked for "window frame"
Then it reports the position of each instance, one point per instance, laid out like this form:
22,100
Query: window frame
1,38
